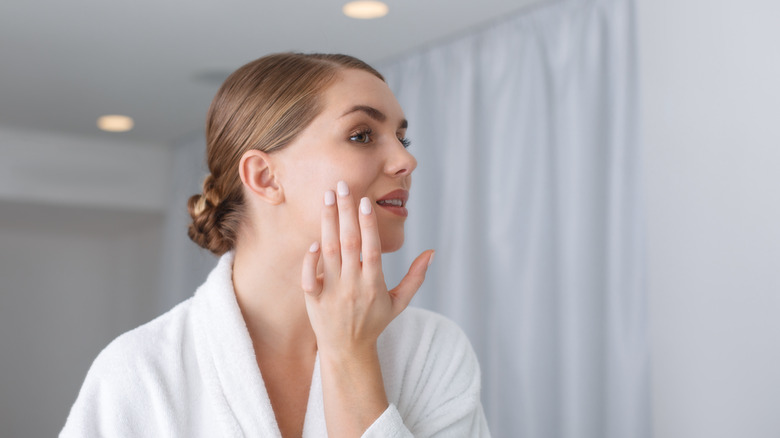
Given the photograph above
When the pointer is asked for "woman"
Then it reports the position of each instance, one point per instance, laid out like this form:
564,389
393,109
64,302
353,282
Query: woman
294,333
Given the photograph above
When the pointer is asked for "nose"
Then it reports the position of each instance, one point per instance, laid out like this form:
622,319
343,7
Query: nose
400,162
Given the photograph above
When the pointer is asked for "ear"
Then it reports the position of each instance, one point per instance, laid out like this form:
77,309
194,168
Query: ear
256,170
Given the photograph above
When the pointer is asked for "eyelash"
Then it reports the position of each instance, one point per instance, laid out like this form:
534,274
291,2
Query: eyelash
367,132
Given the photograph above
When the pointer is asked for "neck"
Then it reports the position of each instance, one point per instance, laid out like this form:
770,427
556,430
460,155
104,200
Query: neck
267,281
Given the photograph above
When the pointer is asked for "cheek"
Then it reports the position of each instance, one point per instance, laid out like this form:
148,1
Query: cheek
304,188
307,176
358,174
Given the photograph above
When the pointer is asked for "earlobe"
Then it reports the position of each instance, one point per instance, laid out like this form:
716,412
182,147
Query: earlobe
256,170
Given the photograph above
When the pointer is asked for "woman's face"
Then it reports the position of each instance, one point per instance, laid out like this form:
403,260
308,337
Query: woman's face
357,138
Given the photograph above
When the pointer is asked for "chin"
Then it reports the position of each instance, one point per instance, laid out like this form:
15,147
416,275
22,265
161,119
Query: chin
391,243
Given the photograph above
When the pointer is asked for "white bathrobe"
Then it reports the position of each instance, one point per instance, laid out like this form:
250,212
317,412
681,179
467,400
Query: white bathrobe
193,372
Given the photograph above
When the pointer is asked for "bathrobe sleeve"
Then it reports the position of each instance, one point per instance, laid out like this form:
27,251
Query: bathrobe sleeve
432,378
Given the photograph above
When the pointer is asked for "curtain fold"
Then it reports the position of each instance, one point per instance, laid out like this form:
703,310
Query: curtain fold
527,186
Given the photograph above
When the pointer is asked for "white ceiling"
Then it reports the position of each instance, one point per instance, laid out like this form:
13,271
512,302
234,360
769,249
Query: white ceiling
64,63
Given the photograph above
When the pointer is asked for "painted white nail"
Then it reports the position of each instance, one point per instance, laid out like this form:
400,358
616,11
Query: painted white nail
330,197
342,188
365,206
314,247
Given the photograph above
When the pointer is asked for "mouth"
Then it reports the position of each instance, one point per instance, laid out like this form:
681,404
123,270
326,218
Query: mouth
395,202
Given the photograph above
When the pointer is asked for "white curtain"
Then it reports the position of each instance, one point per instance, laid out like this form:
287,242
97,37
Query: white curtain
528,188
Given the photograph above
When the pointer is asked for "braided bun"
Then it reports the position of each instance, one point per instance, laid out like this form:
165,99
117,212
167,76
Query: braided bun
214,221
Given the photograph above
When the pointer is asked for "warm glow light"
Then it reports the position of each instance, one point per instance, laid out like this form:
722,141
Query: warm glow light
115,123
365,9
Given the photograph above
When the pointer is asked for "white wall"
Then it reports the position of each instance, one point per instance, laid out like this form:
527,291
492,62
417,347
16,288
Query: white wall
81,232
72,280
710,75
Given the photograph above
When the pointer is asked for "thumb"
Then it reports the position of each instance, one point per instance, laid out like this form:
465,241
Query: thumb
403,293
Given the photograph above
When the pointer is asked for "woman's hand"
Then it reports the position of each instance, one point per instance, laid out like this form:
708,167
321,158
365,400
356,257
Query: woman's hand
349,304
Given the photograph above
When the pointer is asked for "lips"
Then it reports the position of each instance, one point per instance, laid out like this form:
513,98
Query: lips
395,202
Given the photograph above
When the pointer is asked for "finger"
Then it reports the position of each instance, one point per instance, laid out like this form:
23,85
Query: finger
369,235
349,231
311,285
403,293
331,249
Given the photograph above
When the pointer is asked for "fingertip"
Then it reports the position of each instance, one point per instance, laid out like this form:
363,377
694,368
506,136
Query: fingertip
342,188
365,206
430,259
330,198
314,247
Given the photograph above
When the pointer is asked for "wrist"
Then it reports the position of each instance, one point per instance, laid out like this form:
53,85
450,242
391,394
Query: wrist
350,357
353,390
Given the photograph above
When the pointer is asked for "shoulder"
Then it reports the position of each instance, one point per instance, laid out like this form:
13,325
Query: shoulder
432,349
421,329
154,342
138,369
430,370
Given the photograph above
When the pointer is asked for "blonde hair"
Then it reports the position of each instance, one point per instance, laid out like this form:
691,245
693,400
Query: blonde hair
263,105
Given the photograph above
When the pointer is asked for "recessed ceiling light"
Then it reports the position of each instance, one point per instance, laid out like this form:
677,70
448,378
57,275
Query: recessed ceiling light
115,123
365,9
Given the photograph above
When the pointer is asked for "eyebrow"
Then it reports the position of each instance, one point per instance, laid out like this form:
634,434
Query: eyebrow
374,113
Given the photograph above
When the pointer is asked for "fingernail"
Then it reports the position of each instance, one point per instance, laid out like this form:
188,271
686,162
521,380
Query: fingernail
330,197
341,186
314,247
365,206
430,260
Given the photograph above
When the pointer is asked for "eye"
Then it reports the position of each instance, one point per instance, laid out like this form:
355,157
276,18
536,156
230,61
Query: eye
363,136
406,142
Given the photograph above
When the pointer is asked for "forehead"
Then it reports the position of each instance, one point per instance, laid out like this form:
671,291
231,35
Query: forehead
353,88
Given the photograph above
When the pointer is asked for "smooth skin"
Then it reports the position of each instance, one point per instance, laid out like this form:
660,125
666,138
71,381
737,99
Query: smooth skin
298,275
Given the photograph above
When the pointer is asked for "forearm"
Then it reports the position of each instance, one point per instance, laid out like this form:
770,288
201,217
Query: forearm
353,391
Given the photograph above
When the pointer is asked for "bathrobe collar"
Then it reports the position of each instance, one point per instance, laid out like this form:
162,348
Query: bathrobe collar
229,366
